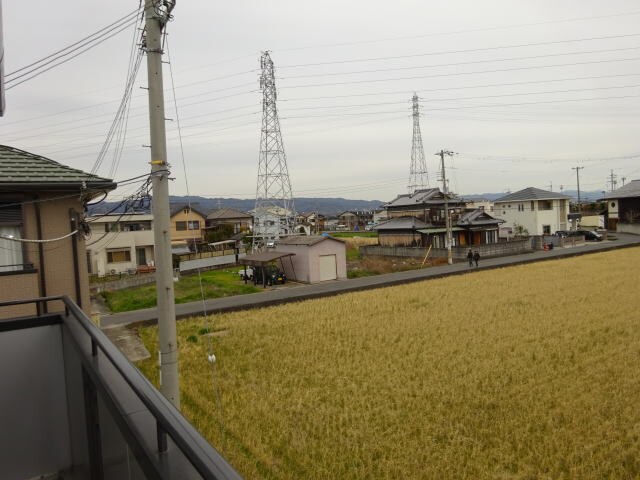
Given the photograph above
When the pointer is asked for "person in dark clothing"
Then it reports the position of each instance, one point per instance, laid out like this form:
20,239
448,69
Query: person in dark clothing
476,257
470,258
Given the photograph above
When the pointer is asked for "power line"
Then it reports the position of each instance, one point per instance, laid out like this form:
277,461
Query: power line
455,74
469,50
37,73
455,64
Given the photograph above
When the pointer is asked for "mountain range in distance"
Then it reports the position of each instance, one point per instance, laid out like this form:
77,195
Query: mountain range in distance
324,206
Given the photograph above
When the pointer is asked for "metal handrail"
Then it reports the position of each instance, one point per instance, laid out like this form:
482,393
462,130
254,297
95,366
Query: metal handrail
204,458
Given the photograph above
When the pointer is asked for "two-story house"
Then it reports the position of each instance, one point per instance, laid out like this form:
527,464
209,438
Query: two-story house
120,243
533,211
42,228
187,225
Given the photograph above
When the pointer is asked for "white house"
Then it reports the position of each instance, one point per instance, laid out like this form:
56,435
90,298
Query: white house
120,243
534,211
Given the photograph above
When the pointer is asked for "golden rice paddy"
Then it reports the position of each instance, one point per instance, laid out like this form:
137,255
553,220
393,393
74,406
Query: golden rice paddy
526,372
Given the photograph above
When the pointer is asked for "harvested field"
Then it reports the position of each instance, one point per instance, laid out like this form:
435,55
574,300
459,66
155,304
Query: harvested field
525,372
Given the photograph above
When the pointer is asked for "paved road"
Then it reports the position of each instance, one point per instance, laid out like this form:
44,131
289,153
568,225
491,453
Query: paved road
302,292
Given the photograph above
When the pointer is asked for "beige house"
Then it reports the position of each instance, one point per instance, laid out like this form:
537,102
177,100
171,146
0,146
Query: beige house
120,243
42,229
187,224
316,259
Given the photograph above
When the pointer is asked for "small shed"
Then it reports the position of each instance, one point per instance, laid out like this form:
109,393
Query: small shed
317,258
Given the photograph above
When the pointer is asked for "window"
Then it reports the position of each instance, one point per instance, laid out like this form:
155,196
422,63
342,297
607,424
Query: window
545,204
533,205
111,227
11,253
546,229
520,207
189,225
118,256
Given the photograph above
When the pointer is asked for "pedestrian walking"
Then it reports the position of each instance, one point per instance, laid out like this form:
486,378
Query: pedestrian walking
470,258
476,257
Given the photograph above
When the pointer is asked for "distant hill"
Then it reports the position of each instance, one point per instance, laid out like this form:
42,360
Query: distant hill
324,206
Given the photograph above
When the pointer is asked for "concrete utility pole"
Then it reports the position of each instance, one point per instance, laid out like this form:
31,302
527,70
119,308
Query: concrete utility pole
577,169
612,179
445,191
157,14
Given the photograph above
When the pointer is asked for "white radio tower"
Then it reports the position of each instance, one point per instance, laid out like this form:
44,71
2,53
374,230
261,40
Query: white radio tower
274,214
418,177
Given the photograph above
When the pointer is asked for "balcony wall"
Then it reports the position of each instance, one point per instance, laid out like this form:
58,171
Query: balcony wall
73,407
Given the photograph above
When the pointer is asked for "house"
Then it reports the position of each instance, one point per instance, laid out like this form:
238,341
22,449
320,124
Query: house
120,243
533,211
426,205
624,208
401,232
314,220
316,258
475,227
355,219
240,221
42,228
187,224
480,203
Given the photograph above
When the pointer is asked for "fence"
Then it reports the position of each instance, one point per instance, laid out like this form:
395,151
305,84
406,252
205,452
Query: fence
501,249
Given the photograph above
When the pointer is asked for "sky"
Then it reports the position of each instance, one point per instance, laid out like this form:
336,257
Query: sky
523,92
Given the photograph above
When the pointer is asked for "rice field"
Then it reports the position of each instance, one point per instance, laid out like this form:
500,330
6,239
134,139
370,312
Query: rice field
527,372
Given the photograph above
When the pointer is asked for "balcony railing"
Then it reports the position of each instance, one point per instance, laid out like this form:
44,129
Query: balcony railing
73,407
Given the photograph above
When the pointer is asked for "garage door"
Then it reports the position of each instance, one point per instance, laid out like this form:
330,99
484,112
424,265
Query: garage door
328,270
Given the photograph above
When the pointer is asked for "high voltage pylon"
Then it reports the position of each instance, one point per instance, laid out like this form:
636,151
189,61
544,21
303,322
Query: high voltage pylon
274,214
418,177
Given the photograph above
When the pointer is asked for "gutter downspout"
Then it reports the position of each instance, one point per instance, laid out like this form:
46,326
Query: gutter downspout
41,279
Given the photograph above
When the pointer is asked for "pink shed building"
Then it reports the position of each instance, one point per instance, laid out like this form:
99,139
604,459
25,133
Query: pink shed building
317,258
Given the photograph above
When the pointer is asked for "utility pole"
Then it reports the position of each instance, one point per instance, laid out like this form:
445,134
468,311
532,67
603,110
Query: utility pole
418,177
157,14
445,189
551,186
577,169
612,179
623,180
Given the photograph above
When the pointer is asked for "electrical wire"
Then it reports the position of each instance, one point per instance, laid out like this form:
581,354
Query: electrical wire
32,240
41,71
210,354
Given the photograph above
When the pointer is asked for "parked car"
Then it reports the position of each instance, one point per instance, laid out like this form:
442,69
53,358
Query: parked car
249,273
591,235
562,233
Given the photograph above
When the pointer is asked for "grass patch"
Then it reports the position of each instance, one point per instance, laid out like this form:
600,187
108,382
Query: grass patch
215,284
518,373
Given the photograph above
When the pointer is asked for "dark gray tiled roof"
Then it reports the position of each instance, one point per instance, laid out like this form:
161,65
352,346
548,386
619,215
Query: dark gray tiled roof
402,223
531,193
477,217
631,189
419,197
23,169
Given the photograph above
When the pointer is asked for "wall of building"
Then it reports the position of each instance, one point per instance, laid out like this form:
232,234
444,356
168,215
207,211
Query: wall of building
184,235
58,272
533,220
306,263
458,252
119,241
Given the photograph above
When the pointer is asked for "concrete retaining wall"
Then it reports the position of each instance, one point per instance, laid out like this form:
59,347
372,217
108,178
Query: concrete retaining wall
460,253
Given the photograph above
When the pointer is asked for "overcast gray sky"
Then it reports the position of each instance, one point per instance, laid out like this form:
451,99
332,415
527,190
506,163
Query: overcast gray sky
523,91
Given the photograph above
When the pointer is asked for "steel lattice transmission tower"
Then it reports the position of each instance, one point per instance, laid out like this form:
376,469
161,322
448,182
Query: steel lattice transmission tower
274,214
418,177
